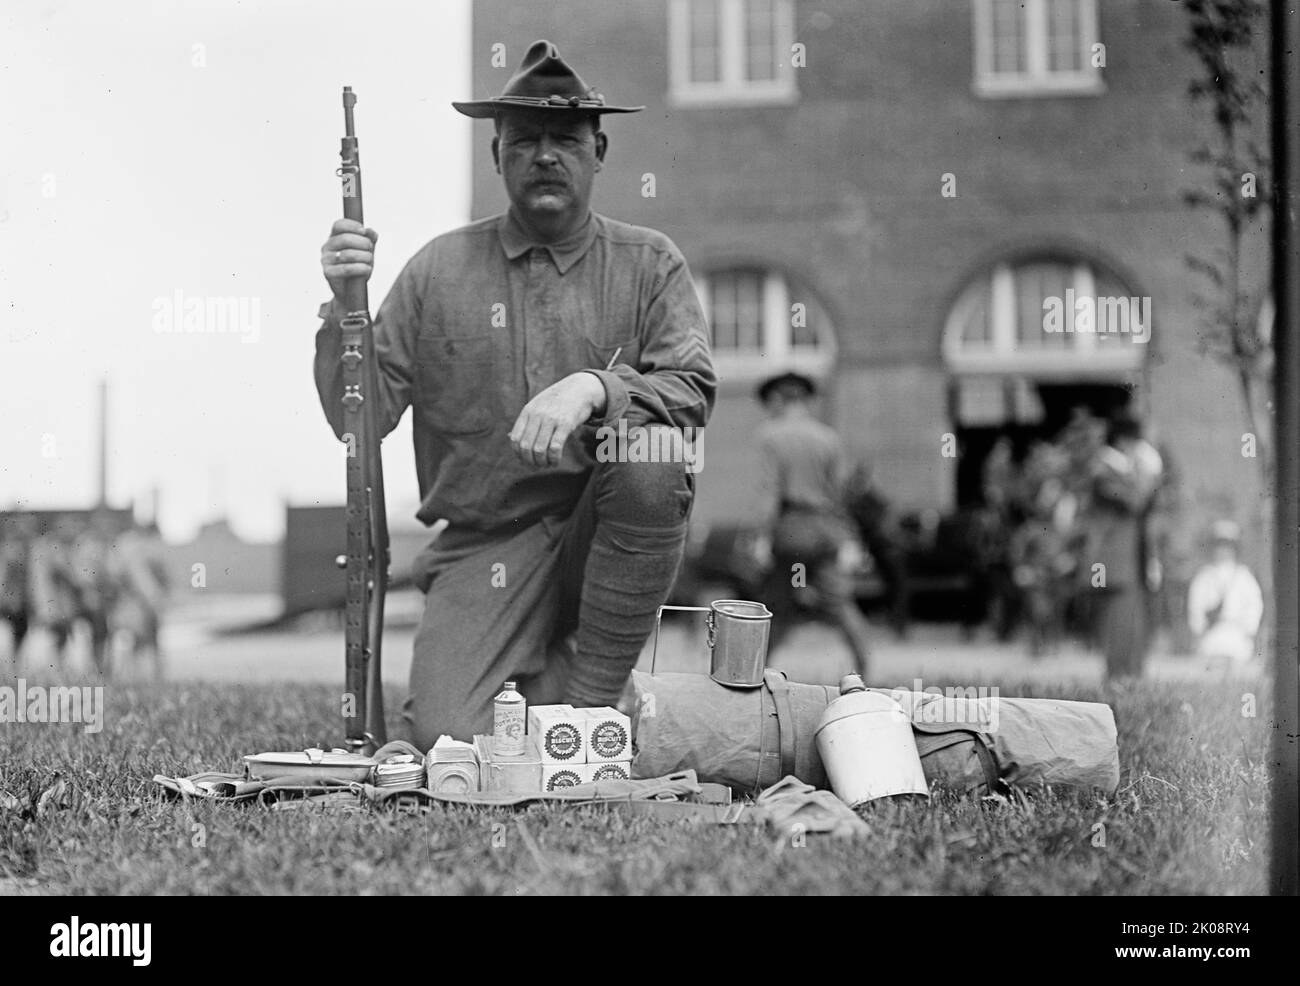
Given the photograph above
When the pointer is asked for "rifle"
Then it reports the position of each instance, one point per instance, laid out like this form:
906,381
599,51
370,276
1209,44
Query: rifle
366,561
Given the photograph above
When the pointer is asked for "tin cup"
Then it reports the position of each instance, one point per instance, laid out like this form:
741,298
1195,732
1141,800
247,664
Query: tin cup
738,631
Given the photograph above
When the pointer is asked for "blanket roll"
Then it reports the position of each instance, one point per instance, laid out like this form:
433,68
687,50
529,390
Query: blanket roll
750,738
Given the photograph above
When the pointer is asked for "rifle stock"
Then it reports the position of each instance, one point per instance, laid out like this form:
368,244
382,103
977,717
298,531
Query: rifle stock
366,561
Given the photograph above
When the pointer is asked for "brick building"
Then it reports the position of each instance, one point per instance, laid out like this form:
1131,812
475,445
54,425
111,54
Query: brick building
884,192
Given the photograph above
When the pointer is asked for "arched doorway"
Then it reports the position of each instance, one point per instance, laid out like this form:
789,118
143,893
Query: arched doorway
1029,341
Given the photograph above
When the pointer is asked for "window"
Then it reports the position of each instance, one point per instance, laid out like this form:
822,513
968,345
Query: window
730,51
1035,47
1048,318
760,323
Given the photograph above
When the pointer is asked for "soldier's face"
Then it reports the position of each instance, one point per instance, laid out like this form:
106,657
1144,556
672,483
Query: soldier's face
548,160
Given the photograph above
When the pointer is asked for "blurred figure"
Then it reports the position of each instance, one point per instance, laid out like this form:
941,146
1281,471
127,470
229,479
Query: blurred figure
804,507
999,481
1044,563
1081,440
872,514
1174,559
53,588
16,538
998,476
1126,473
140,578
91,563
1224,602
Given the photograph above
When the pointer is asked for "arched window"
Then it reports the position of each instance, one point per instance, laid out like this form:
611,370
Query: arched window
763,322
1028,343
1047,318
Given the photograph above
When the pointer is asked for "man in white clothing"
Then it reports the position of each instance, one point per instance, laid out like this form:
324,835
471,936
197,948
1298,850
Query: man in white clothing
1224,603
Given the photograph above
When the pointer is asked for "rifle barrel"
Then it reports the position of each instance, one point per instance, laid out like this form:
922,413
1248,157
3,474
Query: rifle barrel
367,523
349,101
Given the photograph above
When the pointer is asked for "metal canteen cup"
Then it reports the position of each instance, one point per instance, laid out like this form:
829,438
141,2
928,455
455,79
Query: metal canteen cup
738,631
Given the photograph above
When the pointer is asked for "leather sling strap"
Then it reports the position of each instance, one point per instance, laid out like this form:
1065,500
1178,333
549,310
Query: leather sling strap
780,688
988,763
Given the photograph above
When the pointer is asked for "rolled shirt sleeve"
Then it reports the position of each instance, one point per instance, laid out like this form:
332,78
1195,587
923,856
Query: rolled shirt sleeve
673,382
483,319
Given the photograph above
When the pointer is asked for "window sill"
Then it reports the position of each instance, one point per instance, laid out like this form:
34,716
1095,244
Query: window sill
706,98
1027,87
1058,364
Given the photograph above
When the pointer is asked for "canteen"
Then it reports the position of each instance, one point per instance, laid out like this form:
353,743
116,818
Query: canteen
866,744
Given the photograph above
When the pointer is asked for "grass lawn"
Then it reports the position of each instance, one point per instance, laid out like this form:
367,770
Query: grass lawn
1190,816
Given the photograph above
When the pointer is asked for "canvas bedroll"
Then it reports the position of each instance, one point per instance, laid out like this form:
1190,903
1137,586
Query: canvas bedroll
750,738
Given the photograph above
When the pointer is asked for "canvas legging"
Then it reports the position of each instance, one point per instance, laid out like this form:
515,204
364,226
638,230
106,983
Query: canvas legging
504,606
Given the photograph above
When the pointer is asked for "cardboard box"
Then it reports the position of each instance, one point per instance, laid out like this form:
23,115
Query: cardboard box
620,770
536,712
516,775
607,735
561,736
556,777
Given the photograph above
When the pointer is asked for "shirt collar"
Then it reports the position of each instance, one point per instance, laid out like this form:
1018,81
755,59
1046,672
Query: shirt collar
564,254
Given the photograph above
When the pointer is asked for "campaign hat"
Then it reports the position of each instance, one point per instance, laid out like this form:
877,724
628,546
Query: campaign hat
545,81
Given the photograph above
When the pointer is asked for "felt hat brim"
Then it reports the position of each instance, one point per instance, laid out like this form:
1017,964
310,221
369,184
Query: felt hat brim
798,380
486,109
545,81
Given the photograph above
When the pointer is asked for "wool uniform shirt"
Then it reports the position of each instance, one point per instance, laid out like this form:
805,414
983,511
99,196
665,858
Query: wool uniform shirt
481,320
804,468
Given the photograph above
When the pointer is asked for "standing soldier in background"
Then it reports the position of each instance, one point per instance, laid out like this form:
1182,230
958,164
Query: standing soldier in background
1126,473
876,524
998,483
16,536
53,588
91,569
811,544
514,340
141,579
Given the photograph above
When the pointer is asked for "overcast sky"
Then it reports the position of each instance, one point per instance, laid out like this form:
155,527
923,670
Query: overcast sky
157,148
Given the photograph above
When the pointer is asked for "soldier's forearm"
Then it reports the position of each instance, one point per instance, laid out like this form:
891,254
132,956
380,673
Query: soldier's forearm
328,374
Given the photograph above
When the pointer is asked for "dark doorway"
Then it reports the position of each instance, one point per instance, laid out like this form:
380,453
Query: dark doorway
1058,401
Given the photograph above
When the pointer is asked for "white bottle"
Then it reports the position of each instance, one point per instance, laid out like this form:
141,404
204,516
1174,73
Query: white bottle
508,717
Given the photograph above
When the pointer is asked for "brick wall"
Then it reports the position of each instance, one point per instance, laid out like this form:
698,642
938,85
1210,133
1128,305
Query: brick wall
842,191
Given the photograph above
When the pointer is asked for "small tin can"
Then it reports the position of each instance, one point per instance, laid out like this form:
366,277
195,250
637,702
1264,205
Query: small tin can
509,715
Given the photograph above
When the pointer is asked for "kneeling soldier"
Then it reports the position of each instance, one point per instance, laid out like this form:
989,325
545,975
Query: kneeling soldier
514,340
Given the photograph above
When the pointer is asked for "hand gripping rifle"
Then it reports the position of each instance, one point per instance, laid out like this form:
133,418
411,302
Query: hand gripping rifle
366,561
